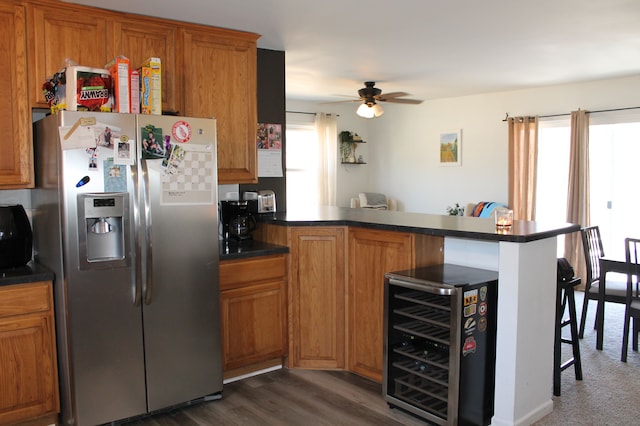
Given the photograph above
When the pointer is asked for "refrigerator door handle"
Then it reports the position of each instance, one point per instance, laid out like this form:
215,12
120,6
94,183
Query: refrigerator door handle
136,236
147,284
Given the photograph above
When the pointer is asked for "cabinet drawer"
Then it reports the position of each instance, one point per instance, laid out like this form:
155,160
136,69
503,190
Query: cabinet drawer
235,273
25,298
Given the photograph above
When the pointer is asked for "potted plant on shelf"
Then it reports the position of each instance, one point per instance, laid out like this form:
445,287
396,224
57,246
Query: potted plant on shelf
456,210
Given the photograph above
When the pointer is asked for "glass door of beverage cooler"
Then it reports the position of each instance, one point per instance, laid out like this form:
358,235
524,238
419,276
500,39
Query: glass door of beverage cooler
440,343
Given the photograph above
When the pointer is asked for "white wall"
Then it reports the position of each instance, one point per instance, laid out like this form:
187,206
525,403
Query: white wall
402,146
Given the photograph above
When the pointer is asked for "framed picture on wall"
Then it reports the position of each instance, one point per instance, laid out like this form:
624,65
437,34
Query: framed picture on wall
451,148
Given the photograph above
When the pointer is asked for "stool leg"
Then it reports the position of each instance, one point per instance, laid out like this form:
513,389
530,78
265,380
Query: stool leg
583,317
557,342
575,343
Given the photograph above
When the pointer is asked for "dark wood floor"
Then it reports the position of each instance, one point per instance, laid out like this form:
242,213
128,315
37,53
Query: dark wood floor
291,397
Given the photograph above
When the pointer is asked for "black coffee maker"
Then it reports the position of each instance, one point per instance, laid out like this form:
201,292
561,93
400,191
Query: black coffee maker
236,220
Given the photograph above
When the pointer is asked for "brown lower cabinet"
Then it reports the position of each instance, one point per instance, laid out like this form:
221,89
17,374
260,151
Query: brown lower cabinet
28,366
316,297
371,254
336,291
253,313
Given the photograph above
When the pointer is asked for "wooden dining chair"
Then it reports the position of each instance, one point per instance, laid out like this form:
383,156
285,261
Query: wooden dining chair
632,310
615,290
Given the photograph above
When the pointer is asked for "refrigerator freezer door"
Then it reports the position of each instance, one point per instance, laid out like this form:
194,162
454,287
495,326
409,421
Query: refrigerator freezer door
99,329
180,309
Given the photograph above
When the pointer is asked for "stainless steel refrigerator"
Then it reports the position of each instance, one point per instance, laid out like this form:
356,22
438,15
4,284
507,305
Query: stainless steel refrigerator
125,214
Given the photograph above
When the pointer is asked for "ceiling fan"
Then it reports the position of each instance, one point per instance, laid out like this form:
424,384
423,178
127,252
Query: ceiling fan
370,95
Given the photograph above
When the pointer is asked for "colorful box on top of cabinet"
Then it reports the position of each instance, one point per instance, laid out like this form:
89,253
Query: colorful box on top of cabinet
79,88
120,73
151,86
135,91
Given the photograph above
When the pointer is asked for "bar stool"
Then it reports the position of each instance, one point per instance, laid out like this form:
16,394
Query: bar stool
565,294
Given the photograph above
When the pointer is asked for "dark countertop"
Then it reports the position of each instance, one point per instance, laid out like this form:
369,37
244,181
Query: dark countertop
29,273
418,223
234,250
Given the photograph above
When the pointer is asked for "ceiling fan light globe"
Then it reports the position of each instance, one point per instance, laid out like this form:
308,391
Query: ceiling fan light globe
377,110
365,111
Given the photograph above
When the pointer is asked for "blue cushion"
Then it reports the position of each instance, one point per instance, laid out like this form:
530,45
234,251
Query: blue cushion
485,208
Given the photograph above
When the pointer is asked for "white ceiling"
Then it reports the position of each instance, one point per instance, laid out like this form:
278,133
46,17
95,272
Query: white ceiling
428,48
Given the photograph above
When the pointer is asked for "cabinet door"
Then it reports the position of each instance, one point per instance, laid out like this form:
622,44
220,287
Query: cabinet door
139,39
372,253
221,82
63,31
28,370
253,324
317,297
253,312
16,160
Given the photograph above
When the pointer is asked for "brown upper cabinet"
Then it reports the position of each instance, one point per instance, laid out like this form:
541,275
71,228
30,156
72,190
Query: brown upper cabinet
16,158
141,38
60,31
221,82
206,72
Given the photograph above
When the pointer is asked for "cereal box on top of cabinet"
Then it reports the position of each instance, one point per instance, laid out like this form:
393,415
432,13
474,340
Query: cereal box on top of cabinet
151,86
121,76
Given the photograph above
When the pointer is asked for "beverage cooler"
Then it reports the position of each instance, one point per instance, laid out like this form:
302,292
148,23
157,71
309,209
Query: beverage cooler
440,343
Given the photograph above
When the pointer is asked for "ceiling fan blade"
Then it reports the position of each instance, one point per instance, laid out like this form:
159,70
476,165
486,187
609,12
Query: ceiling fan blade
341,102
392,95
402,101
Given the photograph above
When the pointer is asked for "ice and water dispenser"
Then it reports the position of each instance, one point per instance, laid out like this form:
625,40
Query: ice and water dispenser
102,223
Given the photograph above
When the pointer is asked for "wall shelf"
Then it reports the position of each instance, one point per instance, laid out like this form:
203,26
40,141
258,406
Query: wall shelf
348,143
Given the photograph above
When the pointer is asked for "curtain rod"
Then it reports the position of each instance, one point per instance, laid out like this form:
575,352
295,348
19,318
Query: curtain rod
300,112
308,113
589,112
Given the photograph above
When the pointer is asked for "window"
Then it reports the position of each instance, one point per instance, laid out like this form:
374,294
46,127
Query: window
554,137
614,155
302,174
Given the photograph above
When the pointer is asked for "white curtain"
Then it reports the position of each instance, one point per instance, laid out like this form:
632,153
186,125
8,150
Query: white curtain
327,131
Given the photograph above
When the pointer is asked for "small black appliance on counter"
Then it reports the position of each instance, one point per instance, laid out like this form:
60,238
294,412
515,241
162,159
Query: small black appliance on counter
236,220
16,238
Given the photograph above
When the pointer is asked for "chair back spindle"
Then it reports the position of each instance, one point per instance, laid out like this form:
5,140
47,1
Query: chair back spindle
592,244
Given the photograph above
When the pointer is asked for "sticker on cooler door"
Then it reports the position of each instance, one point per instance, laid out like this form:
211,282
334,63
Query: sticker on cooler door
482,308
470,297
469,310
181,131
469,346
469,325
482,324
483,294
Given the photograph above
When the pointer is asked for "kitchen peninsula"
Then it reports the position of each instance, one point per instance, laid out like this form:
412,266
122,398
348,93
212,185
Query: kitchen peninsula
337,260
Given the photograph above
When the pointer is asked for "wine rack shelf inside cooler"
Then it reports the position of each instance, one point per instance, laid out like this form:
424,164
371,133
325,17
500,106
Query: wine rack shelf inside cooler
420,360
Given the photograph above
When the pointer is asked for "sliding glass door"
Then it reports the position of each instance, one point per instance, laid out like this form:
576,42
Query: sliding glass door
614,155
614,164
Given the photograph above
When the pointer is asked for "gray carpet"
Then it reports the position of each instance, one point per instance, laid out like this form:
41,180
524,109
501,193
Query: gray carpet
609,393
